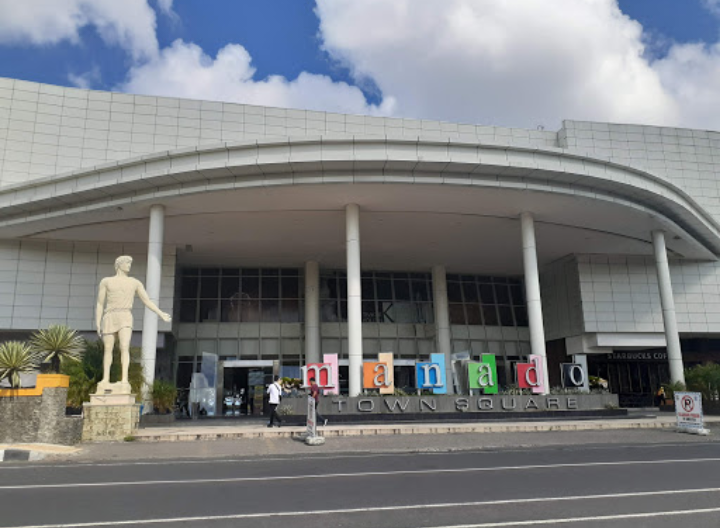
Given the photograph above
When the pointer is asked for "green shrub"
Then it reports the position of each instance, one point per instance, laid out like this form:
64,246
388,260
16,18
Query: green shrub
85,375
17,358
704,379
57,345
164,394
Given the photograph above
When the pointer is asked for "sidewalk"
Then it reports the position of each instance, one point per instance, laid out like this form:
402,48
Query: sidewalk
219,430
228,439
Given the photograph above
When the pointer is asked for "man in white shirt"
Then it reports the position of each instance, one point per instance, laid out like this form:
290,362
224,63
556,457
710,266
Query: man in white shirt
274,393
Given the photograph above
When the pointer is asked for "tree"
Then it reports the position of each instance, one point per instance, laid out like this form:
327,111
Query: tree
58,344
17,358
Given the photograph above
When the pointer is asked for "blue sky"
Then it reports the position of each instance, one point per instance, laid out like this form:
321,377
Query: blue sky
388,60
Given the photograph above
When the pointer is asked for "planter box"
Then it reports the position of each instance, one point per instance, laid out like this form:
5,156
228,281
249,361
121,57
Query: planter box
450,404
157,419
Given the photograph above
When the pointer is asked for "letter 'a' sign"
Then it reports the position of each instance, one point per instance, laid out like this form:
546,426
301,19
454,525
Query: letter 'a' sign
530,375
483,375
379,374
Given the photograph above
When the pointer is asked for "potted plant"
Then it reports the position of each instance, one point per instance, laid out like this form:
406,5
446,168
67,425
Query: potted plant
164,394
56,345
17,358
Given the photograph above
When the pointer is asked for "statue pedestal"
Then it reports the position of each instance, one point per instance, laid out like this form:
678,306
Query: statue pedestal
111,415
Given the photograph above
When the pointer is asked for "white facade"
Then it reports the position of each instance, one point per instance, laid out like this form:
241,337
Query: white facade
249,186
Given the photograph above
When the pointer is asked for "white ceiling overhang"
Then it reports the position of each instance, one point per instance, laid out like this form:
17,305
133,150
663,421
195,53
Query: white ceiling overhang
418,181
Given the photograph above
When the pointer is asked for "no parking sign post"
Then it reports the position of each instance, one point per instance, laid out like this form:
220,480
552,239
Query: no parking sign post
689,414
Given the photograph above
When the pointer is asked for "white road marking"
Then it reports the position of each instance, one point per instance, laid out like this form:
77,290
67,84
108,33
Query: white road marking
483,450
569,520
511,502
353,475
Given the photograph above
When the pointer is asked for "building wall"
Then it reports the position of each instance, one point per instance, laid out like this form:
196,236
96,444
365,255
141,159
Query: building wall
46,130
688,158
620,294
55,282
561,300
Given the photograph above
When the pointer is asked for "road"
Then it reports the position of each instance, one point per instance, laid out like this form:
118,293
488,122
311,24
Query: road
634,485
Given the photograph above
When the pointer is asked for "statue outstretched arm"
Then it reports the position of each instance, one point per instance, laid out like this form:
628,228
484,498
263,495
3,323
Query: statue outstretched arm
100,306
145,298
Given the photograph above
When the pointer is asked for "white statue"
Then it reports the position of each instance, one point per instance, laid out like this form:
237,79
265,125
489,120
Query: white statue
113,318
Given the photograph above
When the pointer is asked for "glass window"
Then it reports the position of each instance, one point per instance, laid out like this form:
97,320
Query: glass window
290,311
384,289
229,286
209,287
270,288
250,287
489,315
189,287
209,311
502,293
470,293
474,316
457,314
486,294
402,290
188,311
270,311
290,288
454,292
506,316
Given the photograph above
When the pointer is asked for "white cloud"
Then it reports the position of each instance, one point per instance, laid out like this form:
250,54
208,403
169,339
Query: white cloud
126,23
166,8
184,70
713,6
86,80
500,62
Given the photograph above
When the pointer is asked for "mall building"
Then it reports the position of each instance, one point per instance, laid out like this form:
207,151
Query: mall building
275,236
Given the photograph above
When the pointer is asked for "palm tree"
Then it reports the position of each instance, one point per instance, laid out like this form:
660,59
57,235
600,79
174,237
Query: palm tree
17,358
57,344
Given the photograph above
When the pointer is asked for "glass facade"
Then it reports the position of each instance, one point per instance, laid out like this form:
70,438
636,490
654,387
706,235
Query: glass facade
240,295
386,297
486,301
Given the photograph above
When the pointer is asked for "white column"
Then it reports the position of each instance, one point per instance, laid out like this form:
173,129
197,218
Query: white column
152,286
442,321
667,301
532,291
355,354
312,312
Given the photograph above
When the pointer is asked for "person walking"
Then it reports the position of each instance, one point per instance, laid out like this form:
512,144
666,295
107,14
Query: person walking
275,395
315,393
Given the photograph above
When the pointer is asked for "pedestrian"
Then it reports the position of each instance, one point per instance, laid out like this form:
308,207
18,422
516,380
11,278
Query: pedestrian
660,396
315,393
275,395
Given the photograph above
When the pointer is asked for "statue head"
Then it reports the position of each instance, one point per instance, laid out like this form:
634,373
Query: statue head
124,262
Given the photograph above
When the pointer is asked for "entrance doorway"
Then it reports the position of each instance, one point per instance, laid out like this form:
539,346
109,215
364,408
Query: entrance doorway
243,387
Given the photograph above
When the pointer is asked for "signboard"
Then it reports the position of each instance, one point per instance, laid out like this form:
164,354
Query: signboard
688,410
311,421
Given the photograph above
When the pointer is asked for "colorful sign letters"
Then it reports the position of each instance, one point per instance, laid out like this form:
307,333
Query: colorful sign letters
530,375
326,374
483,375
379,374
431,375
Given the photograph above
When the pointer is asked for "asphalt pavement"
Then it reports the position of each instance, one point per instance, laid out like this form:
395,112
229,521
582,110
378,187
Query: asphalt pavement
670,483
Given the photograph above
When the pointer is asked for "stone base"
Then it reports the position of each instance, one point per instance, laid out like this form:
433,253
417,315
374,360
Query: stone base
110,423
314,440
106,388
112,399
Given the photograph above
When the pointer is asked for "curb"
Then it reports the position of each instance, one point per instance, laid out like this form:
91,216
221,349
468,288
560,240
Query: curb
185,436
32,452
